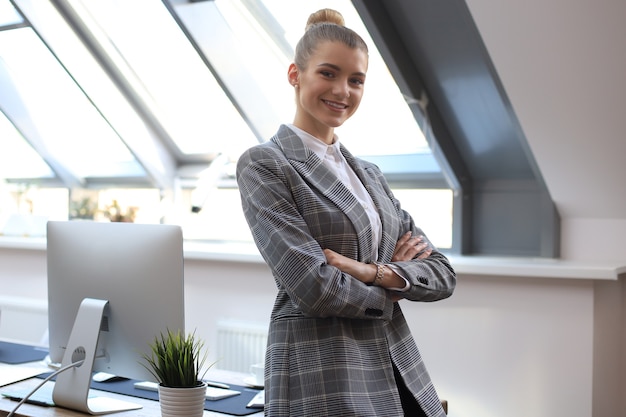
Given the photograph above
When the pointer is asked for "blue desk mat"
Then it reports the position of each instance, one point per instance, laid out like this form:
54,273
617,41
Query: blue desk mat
235,406
14,353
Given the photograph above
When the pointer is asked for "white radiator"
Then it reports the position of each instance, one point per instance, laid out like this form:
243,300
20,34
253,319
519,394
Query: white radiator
240,344
23,319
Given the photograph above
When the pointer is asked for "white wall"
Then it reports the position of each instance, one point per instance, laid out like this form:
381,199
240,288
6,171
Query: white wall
501,346
562,64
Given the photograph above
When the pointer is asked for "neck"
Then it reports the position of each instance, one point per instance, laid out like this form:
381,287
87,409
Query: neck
322,132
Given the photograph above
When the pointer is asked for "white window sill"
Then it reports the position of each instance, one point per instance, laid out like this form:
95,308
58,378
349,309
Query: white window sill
11,242
463,265
537,267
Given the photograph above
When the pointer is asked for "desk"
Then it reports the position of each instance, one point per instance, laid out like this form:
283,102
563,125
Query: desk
150,408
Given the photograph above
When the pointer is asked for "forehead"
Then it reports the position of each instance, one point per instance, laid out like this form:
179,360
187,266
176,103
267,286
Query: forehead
351,60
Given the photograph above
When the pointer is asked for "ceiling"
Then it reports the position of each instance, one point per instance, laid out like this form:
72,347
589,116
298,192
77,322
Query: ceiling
562,64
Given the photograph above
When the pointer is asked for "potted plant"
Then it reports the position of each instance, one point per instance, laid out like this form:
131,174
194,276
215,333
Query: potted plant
176,361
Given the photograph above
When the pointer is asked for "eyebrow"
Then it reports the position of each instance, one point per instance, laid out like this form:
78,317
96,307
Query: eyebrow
337,68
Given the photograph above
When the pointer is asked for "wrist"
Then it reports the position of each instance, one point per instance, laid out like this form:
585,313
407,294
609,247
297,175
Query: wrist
370,271
380,274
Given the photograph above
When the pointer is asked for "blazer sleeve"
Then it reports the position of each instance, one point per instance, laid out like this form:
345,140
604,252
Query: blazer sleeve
430,279
296,259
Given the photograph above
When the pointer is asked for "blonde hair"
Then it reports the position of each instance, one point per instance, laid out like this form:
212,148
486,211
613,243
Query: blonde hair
323,26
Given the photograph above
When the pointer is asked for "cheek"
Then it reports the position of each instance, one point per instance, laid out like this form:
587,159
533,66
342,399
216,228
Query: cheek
356,98
309,96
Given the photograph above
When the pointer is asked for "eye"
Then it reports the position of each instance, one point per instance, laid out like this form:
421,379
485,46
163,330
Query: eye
326,73
357,81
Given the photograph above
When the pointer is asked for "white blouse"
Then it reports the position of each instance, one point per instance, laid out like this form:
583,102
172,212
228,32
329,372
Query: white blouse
332,157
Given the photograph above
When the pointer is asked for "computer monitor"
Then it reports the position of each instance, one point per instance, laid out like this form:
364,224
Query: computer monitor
126,280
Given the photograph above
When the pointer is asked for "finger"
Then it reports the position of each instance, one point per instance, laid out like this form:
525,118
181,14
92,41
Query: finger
425,254
402,241
407,251
405,237
403,250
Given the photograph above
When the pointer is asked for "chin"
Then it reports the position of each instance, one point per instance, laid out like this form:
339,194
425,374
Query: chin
335,123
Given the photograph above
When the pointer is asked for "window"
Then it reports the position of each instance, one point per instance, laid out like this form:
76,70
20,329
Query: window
55,114
127,121
18,158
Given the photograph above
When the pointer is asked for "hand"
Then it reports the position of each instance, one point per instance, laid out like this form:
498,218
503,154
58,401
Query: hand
407,247
336,259
396,296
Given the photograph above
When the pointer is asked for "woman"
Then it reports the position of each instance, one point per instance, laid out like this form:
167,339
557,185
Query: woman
341,250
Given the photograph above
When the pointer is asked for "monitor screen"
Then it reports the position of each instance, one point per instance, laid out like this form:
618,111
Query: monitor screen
136,268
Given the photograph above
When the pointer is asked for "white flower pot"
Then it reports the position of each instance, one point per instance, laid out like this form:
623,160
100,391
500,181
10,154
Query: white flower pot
182,402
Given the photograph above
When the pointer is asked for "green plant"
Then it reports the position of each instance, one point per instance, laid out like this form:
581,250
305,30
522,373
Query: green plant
116,213
176,360
84,208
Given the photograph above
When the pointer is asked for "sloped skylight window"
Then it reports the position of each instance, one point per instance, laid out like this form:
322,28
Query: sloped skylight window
383,116
8,14
62,123
18,159
169,75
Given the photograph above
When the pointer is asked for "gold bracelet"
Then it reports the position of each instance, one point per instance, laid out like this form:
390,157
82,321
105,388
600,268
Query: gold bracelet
380,273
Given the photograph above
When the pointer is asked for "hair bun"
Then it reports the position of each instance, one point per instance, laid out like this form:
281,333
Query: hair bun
325,16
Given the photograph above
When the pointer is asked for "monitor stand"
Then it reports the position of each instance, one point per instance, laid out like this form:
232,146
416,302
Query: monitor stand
71,389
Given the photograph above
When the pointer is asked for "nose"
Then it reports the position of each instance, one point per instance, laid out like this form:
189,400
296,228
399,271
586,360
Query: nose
341,89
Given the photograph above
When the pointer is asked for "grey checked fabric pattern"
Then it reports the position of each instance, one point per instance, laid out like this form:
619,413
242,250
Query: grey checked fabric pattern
333,340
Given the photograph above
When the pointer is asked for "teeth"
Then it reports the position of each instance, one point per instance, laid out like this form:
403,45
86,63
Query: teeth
336,105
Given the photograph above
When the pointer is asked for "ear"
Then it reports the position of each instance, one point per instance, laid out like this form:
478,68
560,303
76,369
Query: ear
293,75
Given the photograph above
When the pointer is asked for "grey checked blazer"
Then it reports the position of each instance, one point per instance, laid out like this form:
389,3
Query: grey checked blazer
333,340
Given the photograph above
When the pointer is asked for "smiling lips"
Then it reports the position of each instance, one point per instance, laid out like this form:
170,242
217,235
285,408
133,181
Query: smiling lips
335,105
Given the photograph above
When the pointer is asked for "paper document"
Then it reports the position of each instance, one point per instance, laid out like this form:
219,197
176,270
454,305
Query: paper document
10,374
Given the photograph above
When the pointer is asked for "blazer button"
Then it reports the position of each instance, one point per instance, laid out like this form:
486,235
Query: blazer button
373,312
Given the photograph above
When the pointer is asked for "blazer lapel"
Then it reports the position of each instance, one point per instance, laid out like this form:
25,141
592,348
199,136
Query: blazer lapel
309,166
382,202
